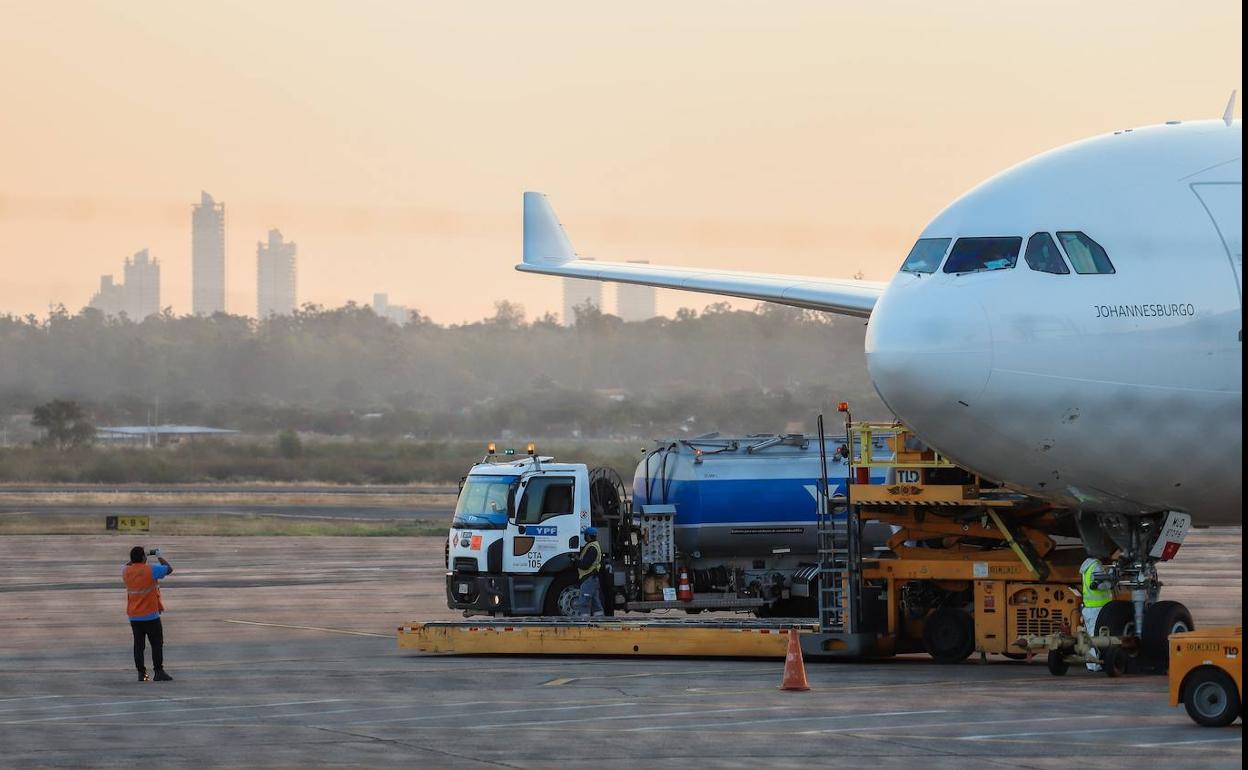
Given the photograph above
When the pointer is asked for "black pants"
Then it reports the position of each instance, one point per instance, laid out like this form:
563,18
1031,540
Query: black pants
150,630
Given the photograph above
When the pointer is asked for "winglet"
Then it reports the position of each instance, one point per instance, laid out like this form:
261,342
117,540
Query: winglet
545,242
1229,114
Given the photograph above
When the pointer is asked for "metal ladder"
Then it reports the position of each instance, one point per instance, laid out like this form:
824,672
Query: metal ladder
839,554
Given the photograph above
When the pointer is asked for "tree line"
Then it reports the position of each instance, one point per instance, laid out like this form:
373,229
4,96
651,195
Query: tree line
347,370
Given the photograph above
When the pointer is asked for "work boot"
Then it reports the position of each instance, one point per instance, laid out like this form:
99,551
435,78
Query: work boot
143,677
161,676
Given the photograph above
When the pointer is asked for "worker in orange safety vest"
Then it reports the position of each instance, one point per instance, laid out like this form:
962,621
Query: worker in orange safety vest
143,607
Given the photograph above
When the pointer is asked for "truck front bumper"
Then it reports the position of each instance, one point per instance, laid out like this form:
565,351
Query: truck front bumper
478,593
493,594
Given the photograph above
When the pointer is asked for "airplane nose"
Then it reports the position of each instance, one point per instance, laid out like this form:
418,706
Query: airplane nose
929,352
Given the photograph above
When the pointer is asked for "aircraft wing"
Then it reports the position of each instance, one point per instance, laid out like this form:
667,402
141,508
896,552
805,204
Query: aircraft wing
548,251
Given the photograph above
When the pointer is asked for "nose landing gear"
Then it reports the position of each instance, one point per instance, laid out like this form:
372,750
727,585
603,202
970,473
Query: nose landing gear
1136,631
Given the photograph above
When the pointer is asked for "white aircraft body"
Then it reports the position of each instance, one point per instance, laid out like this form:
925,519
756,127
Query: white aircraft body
1070,328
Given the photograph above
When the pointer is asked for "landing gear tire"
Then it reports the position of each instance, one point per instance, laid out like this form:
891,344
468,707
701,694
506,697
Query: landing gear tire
949,635
1161,620
1118,616
1057,663
562,597
1114,662
1211,698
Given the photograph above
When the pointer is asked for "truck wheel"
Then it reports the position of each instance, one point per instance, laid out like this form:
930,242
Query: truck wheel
1057,663
562,597
1161,620
949,635
1210,697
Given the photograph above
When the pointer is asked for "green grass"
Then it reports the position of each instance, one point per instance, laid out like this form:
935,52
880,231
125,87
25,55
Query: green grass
361,461
218,525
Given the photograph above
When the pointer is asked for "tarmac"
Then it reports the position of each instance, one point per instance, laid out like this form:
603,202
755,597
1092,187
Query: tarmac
284,654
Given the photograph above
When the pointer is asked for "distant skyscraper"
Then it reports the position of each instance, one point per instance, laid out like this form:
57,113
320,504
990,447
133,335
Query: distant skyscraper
396,313
207,256
108,300
578,291
142,287
275,276
138,297
633,302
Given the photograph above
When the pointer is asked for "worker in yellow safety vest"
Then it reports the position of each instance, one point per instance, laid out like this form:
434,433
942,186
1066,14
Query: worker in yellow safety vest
1096,594
588,565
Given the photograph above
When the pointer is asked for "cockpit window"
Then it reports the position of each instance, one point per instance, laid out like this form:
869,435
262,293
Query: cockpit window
926,255
1042,255
972,255
1086,255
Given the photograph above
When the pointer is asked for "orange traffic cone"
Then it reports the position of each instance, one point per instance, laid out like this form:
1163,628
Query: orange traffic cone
684,591
794,666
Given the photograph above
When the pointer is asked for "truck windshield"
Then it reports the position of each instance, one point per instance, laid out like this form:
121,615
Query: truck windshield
483,503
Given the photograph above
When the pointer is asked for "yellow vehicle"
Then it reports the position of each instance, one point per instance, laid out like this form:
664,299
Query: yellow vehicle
967,568
1206,674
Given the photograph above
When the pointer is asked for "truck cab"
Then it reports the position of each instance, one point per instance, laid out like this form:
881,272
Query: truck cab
517,530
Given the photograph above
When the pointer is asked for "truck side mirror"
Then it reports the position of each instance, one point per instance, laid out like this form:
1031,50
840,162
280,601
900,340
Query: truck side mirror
511,502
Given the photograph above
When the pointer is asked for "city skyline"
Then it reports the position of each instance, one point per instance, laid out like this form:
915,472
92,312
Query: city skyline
812,139
207,256
276,276
398,314
576,294
137,296
634,302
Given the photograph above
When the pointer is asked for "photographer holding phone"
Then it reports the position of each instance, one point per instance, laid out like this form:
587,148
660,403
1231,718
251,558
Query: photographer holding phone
143,607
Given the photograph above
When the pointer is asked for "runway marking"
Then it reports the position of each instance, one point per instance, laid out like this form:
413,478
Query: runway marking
557,682
31,697
781,719
1120,728
1045,742
949,724
310,628
639,675
325,713
105,703
714,691
427,717
170,711
545,722
1237,739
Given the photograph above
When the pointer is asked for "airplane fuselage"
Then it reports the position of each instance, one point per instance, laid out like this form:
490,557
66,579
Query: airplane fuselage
1114,386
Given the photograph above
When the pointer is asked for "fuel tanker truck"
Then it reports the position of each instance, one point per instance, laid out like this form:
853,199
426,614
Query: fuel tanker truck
730,521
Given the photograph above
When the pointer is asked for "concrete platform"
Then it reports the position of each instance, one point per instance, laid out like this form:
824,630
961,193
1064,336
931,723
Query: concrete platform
284,655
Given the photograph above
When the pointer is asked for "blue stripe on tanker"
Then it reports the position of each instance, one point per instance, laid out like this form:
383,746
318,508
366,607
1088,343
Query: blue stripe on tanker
741,501
741,496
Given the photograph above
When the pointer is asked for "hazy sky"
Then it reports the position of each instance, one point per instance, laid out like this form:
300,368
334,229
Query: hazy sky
392,140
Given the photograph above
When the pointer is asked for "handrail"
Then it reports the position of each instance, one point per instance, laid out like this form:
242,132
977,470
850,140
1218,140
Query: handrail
862,437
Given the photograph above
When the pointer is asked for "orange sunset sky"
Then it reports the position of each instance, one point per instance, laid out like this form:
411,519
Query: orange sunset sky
392,140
